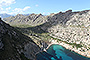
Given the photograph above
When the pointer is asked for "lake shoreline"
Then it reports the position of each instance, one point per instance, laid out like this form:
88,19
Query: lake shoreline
69,47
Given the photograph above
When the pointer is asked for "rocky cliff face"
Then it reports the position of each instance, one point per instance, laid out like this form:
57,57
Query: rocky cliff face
71,27
14,45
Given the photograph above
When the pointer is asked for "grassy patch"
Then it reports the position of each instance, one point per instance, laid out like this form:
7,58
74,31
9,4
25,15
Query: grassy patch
22,26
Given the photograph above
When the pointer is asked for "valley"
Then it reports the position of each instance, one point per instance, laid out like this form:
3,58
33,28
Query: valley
68,29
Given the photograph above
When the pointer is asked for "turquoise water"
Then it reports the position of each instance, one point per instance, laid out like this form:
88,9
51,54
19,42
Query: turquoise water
57,52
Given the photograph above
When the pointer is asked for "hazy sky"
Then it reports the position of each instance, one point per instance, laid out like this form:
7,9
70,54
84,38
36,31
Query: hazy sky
42,6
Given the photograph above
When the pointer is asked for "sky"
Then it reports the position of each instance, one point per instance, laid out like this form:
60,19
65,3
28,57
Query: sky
44,7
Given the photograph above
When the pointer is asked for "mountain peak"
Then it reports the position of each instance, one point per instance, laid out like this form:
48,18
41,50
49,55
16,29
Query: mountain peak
4,15
19,15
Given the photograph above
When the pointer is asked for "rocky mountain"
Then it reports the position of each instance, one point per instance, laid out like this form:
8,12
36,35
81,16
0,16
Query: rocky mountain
14,45
20,19
72,28
26,14
4,15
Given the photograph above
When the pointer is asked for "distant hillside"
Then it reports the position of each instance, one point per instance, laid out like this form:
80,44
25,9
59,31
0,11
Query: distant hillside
5,15
32,19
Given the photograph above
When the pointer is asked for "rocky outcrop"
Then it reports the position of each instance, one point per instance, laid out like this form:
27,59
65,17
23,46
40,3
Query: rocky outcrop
1,44
14,45
30,50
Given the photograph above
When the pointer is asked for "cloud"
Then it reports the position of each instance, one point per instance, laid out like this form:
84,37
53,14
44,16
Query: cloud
36,5
8,8
43,13
1,9
19,10
26,8
16,11
4,10
48,13
6,2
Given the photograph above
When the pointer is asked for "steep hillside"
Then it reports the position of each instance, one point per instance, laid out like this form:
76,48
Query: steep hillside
14,45
73,28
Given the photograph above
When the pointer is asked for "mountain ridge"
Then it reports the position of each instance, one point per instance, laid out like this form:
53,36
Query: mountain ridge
4,15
